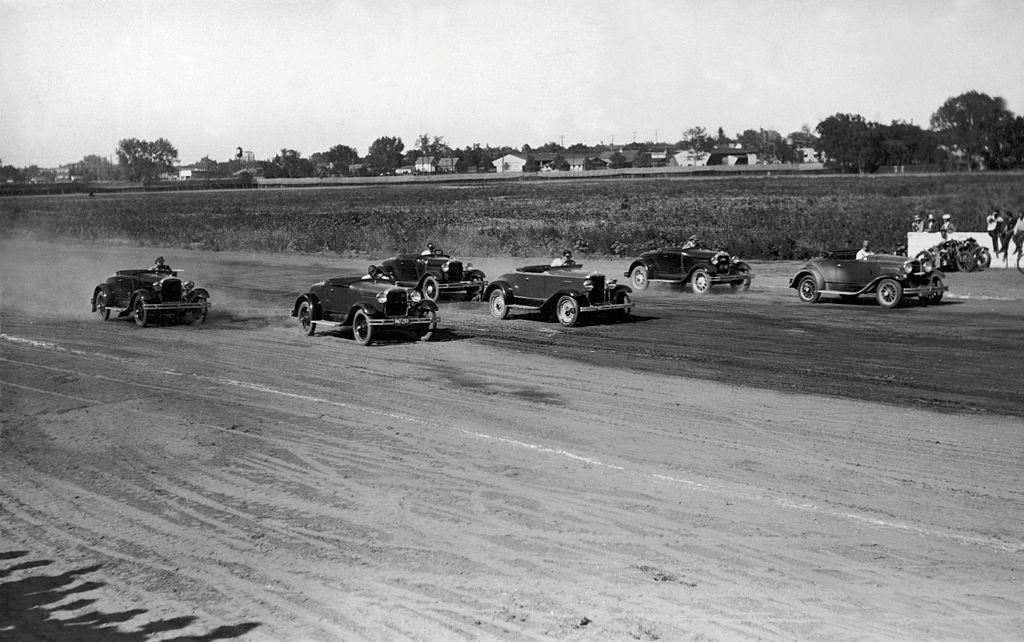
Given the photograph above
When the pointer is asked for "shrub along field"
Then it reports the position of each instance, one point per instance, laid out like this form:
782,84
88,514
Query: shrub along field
768,217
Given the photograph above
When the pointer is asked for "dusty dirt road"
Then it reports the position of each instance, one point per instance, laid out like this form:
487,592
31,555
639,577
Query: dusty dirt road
734,466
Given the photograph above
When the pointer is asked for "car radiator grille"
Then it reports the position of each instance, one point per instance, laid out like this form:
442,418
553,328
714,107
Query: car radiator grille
170,290
722,267
597,294
397,304
454,270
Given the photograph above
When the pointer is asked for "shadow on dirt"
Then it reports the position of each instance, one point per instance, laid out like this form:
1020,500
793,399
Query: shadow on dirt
31,607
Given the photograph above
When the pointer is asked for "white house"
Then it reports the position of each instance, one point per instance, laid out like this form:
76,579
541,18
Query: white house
425,165
509,163
690,158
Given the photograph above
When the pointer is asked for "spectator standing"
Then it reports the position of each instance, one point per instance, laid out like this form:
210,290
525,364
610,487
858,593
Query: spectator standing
931,225
947,227
917,225
1018,233
1010,221
992,227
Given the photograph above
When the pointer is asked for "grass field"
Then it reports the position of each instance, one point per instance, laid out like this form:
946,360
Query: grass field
783,217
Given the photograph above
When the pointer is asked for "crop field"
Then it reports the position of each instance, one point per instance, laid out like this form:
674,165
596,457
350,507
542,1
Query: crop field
769,217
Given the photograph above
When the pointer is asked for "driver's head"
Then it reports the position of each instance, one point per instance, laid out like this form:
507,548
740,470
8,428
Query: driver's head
159,260
567,254
371,270
693,238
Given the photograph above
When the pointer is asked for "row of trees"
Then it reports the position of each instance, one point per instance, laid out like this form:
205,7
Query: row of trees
972,131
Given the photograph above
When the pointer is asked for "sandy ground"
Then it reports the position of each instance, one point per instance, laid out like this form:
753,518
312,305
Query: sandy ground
734,466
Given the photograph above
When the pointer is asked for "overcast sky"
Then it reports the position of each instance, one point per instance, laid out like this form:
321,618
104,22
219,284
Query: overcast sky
76,77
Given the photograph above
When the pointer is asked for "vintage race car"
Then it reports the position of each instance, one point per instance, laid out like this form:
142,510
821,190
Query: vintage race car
888,277
564,292
435,273
367,305
699,267
148,295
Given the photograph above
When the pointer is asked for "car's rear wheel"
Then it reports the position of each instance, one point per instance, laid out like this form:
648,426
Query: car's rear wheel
807,289
983,258
362,331
498,305
743,270
431,289
101,305
567,310
306,324
889,293
139,313
700,281
621,314
639,277
189,316
426,333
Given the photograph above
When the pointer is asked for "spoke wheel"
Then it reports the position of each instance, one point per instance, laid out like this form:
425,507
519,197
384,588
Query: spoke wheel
807,289
935,297
139,313
498,305
362,331
889,293
568,311
639,277
622,314
1020,263
983,258
431,290
101,305
306,324
701,282
427,333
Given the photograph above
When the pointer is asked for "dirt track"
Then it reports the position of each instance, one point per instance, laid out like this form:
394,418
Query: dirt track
735,466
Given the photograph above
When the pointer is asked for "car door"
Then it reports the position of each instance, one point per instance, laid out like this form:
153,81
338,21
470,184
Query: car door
530,285
847,275
334,299
668,265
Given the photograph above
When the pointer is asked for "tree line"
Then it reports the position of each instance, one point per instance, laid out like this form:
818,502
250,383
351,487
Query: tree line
970,131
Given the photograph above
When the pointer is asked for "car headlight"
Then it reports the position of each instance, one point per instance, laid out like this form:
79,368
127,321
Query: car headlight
157,286
444,268
188,285
588,285
415,296
382,297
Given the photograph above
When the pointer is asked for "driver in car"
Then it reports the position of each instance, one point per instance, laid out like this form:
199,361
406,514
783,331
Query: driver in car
160,267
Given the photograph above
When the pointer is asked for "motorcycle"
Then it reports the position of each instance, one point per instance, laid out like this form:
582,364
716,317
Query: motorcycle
957,256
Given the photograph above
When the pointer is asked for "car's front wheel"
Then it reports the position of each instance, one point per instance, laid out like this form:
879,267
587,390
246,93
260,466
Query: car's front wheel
362,331
807,289
567,311
621,314
639,277
889,293
700,281
101,305
306,324
431,289
935,297
139,313
498,305
426,333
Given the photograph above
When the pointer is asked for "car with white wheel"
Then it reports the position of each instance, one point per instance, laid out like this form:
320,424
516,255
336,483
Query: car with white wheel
367,305
150,295
699,267
889,278
435,273
562,292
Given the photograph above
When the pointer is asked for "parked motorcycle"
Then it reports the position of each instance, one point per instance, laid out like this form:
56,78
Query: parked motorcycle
957,256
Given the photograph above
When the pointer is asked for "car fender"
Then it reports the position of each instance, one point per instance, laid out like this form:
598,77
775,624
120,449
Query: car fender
102,287
314,303
621,288
427,304
145,295
499,285
197,293
580,297
475,274
370,311
638,262
818,278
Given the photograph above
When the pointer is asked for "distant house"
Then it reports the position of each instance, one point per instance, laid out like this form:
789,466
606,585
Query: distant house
510,163
628,156
731,156
405,169
447,165
425,165
357,169
690,158
193,173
